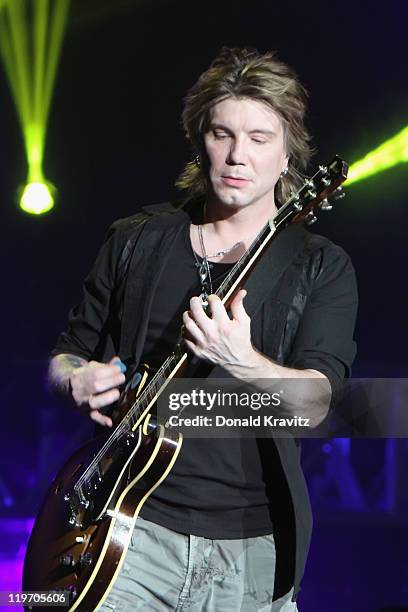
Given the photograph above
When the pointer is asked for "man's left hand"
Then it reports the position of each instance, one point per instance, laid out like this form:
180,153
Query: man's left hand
215,337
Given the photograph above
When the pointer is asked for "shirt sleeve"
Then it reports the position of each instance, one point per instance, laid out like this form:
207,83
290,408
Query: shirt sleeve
324,339
88,320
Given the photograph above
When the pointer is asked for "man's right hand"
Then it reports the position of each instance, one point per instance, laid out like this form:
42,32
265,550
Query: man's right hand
95,385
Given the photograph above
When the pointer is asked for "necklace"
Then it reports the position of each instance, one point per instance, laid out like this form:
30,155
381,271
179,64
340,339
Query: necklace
204,273
219,253
204,267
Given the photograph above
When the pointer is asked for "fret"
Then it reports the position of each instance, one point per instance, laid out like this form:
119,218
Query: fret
128,421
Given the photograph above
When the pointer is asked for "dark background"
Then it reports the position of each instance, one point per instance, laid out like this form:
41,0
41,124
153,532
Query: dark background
115,143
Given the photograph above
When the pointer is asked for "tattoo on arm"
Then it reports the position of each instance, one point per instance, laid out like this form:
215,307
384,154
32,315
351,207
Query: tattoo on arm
60,370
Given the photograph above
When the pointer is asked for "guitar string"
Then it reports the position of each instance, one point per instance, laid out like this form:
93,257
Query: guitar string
123,425
120,427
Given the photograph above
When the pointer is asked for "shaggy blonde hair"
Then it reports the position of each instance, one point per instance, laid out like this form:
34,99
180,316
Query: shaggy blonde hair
245,73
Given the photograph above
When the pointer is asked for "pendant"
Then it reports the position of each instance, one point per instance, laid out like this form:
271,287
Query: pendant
204,300
202,271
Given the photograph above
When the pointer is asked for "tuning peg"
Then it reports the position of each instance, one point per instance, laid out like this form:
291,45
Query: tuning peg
296,204
338,193
310,183
326,181
325,204
311,193
310,218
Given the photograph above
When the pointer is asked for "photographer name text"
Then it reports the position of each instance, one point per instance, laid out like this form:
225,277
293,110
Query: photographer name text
250,421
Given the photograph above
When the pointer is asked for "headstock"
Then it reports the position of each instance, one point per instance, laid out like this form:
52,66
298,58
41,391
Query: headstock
304,205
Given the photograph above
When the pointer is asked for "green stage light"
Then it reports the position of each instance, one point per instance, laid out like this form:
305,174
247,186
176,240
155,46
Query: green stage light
31,34
37,198
392,152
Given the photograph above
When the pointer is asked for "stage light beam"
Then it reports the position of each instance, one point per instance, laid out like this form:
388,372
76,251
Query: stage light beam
392,152
31,35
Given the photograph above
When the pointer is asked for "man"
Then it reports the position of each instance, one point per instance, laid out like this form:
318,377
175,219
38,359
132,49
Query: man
229,528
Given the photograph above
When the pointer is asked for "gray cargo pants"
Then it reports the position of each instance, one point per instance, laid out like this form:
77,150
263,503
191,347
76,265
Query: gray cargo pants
164,570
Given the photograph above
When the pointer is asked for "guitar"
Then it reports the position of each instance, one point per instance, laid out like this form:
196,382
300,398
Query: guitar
83,530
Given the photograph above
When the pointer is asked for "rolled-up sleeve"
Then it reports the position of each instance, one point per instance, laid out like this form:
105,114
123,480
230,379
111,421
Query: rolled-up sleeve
324,339
88,320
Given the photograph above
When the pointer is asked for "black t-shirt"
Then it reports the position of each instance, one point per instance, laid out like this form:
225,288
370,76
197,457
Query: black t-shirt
216,488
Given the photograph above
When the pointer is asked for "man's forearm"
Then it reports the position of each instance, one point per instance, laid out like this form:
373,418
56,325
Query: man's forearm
309,397
60,369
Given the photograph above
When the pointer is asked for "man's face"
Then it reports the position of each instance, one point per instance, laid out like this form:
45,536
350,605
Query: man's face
246,153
